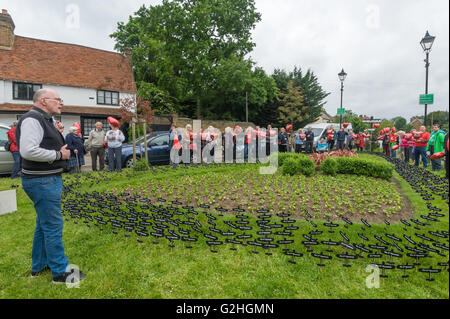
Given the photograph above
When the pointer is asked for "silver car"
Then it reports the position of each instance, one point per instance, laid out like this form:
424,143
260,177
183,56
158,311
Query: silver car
6,158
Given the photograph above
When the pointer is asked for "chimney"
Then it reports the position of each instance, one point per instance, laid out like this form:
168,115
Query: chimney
6,31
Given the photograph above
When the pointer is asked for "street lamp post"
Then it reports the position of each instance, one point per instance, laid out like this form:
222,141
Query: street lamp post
427,43
342,75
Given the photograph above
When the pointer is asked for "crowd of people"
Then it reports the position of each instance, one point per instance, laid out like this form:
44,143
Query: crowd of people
96,144
300,141
417,146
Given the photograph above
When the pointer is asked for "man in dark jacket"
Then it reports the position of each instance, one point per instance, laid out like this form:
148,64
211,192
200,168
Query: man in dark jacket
44,156
340,137
309,140
283,140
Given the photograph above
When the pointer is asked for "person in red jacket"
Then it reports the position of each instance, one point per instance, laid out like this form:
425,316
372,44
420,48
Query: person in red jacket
17,167
421,140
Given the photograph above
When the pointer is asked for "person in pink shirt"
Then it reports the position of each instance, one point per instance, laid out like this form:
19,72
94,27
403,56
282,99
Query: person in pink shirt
404,147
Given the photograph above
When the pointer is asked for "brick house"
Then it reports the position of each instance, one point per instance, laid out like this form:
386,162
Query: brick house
90,81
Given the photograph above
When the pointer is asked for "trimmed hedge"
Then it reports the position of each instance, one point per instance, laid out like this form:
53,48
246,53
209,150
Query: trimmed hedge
329,166
290,167
292,164
358,166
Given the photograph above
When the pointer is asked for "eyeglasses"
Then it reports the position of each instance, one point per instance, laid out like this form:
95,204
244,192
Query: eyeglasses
59,100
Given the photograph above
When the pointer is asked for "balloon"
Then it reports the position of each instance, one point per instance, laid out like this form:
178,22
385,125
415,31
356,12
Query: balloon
113,121
302,136
408,136
345,125
436,156
289,127
394,129
387,129
376,125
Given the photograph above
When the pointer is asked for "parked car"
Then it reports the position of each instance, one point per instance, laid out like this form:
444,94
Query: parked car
157,149
6,158
320,130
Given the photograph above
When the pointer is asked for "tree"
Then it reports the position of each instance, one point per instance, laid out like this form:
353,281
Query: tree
292,109
178,45
313,94
399,122
437,117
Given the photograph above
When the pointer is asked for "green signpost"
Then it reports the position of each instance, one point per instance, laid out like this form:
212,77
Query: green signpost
340,111
426,99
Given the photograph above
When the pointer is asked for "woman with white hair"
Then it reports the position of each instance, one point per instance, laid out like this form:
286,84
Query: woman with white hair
76,146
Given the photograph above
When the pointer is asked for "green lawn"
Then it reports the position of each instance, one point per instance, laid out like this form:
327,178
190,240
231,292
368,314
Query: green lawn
120,267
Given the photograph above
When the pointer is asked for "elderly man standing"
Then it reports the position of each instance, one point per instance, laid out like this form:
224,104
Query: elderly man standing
95,141
44,156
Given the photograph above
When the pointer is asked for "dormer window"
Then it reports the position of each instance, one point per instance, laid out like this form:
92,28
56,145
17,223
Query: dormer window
25,91
107,97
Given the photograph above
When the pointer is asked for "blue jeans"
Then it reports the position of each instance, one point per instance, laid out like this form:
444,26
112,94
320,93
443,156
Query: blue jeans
17,167
421,151
48,248
115,159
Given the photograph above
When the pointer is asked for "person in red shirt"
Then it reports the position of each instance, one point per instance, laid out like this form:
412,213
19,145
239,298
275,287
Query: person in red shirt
421,140
17,167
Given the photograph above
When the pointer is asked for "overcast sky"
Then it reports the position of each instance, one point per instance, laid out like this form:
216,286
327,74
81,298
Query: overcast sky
375,41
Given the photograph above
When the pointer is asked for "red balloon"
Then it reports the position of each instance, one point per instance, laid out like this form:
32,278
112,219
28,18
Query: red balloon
289,127
387,129
345,125
113,121
302,136
376,125
394,129
436,156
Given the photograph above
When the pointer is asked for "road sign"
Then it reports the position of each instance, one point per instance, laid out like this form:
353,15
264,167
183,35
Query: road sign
341,111
426,99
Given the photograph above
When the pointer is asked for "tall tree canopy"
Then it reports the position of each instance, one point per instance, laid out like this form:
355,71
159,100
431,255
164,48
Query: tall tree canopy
182,47
308,84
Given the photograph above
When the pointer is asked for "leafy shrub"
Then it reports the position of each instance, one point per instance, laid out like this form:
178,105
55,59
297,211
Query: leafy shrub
296,164
284,156
359,166
329,166
306,165
141,165
290,167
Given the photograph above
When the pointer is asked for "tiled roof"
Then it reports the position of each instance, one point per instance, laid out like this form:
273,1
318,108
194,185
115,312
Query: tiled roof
67,109
47,62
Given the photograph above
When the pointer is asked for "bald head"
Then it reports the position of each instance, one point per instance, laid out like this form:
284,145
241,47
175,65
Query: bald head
48,100
40,94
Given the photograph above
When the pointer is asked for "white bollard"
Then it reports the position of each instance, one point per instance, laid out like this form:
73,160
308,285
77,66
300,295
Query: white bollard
8,202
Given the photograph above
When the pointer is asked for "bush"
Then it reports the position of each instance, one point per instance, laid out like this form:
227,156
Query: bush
290,167
293,164
329,166
141,165
284,156
306,165
359,166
